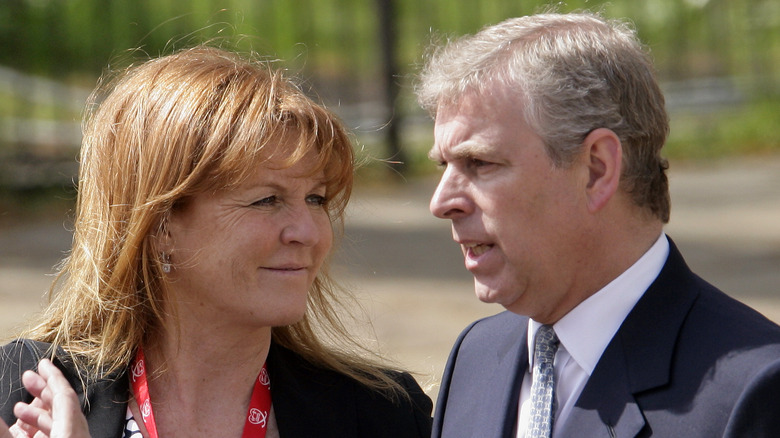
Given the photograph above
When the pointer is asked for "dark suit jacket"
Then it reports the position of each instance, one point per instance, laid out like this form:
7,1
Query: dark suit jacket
308,401
688,361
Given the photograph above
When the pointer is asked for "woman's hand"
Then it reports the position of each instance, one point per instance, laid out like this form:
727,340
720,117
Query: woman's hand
55,411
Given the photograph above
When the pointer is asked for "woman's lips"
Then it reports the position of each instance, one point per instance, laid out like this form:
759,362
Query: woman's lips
293,269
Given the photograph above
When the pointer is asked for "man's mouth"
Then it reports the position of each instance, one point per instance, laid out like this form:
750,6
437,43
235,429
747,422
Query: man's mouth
477,249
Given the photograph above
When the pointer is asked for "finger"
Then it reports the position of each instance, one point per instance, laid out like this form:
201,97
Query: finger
17,432
55,379
20,429
38,403
68,420
37,386
48,383
32,419
29,429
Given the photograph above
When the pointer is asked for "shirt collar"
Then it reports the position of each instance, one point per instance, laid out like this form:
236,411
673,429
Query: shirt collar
587,329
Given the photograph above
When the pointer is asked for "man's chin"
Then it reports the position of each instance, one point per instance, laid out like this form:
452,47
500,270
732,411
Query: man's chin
485,293
491,294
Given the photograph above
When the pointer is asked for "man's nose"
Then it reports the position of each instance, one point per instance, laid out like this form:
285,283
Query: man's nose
451,199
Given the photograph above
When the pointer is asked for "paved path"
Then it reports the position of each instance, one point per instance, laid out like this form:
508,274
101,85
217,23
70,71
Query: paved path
410,278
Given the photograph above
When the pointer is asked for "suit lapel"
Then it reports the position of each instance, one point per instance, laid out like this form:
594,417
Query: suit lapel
637,359
502,394
481,385
606,407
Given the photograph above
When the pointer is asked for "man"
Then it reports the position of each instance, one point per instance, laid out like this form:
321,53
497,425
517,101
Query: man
549,129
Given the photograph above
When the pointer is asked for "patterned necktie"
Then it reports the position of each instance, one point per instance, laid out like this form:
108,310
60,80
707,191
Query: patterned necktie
542,388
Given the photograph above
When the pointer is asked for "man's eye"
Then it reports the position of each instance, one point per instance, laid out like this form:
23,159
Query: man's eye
317,200
476,162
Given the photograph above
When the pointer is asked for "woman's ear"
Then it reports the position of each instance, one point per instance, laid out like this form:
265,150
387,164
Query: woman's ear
162,244
604,153
162,240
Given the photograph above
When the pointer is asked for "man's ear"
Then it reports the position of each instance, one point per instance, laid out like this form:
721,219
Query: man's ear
604,155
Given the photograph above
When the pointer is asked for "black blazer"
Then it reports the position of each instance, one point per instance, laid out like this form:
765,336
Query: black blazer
688,361
308,401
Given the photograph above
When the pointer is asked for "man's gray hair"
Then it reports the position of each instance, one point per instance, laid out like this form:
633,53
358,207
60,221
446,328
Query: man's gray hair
575,73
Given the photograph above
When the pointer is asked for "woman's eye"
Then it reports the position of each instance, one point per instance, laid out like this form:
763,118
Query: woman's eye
267,201
317,200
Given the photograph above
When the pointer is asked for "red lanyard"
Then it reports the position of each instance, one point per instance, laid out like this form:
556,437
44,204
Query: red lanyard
259,406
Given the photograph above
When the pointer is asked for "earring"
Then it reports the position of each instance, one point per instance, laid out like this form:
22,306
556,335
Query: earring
166,265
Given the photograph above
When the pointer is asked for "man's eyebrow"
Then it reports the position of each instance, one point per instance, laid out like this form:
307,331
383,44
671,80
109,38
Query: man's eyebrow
465,150
470,149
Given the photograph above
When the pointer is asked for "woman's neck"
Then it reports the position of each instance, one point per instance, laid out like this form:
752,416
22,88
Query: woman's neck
201,378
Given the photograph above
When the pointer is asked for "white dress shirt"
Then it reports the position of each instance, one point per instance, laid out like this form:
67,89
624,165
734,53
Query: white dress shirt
585,332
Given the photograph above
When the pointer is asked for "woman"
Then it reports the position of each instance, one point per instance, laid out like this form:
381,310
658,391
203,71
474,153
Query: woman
209,190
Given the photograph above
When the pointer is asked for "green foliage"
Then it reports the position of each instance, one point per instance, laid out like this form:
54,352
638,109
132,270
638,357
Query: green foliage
333,45
55,37
11,103
748,129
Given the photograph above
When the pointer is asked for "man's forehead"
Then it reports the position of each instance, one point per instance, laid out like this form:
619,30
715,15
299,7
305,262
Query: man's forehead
460,129
463,103
489,93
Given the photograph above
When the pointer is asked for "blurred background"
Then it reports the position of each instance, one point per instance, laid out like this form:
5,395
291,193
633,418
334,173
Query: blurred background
718,61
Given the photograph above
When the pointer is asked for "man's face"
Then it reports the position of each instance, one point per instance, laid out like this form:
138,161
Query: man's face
516,216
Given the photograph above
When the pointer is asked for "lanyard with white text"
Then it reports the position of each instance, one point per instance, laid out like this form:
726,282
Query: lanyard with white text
259,406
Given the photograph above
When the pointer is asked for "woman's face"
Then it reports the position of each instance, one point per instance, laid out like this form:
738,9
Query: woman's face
248,256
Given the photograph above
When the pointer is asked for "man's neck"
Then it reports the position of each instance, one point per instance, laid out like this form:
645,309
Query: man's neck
609,256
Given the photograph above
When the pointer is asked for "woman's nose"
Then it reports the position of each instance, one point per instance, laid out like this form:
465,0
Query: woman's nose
304,227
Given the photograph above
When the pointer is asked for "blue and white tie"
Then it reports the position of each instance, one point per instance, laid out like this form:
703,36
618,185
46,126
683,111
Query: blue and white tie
542,389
